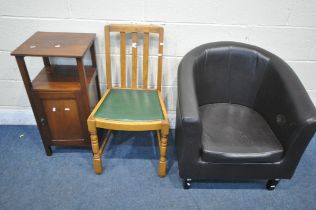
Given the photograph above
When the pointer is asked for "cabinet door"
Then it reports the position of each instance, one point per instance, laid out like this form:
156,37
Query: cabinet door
63,119
70,117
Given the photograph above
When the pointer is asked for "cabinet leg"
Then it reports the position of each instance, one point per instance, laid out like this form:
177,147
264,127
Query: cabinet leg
98,87
97,163
162,168
48,150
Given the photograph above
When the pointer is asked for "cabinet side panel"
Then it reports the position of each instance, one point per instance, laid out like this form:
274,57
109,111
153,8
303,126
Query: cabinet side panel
93,94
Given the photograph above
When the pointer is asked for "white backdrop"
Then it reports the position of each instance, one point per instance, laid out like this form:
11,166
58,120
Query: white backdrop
286,28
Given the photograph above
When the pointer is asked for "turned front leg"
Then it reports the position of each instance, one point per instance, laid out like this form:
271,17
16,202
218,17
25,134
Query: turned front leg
97,163
163,153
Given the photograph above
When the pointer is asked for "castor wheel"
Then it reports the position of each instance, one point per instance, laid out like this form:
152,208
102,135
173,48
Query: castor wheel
186,184
272,183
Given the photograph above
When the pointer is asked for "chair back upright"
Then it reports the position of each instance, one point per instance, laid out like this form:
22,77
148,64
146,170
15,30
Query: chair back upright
134,30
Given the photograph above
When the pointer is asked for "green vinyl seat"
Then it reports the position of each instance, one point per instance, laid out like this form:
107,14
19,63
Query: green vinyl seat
130,105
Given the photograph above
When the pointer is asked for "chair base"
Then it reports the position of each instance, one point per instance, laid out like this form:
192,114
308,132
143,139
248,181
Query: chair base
162,136
97,165
187,184
162,168
271,184
97,151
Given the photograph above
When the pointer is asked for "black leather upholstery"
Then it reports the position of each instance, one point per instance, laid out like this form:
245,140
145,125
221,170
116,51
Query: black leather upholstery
234,133
242,113
231,75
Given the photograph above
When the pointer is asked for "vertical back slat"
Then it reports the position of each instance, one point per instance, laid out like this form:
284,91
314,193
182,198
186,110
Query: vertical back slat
108,57
134,60
160,51
145,60
134,30
123,59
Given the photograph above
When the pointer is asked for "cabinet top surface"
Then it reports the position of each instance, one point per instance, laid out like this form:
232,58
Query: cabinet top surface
55,44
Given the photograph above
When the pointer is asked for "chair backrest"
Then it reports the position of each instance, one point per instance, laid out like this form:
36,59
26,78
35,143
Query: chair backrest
134,29
230,74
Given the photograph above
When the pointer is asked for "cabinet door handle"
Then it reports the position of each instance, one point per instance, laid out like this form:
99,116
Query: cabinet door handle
67,109
54,109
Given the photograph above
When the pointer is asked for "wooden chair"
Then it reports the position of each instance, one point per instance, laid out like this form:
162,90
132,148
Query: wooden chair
131,108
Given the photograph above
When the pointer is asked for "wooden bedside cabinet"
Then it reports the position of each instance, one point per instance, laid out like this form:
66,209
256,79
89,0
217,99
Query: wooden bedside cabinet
61,96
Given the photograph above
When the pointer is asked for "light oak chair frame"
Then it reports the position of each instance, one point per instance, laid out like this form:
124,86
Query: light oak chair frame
161,126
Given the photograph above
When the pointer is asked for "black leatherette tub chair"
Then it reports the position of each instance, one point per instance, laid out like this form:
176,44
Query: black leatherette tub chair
242,114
